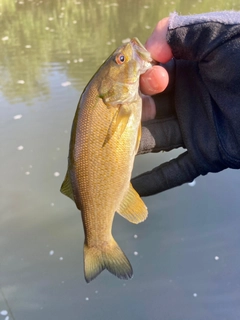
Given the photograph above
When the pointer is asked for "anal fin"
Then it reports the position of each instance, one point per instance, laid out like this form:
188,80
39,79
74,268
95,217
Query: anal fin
132,206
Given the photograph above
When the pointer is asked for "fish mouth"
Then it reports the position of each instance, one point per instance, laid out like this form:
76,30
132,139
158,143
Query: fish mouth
141,55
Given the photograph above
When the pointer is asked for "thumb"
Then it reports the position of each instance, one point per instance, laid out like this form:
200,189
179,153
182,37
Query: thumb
168,175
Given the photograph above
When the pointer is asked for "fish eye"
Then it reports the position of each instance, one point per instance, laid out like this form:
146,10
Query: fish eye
120,59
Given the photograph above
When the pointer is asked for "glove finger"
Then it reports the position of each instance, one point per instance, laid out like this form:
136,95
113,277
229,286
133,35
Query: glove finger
166,176
165,105
160,135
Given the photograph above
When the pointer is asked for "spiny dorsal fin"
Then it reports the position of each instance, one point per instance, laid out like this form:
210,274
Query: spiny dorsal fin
132,207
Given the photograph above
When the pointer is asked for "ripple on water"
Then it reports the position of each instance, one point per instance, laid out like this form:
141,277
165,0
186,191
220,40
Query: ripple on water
20,81
192,184
17,117
66,84
56,174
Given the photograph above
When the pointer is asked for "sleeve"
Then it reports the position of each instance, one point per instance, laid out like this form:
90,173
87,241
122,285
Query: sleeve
206,49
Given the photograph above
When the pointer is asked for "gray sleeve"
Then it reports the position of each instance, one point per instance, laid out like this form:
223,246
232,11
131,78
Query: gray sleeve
194,37
224,17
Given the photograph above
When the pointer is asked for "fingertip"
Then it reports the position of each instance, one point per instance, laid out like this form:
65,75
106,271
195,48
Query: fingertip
154,81
157,43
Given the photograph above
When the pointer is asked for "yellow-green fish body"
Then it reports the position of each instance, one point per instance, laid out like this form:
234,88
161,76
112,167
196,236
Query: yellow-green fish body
105,137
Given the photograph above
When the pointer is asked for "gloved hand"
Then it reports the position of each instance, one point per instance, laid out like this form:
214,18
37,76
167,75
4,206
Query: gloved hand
164,134
200,109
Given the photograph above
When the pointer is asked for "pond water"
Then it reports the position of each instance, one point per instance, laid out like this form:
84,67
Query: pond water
185,256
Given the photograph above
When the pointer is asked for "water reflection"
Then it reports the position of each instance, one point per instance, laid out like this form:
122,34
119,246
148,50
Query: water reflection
49,51
72,36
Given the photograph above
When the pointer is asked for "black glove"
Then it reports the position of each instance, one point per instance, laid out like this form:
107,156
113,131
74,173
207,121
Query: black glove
200,109
164,134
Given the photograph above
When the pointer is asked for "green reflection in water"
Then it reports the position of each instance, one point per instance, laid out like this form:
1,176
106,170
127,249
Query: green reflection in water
73,37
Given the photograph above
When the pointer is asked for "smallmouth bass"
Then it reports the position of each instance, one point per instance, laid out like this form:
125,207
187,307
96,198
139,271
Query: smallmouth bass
105,137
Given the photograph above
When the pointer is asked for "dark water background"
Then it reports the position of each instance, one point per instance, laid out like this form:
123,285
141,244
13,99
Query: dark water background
186,256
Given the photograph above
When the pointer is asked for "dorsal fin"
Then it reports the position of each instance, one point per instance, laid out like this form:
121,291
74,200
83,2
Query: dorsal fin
66,187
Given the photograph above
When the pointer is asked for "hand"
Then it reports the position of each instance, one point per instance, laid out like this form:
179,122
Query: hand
156,79
162,133
198,108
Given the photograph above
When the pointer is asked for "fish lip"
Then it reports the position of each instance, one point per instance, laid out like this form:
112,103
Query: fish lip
141,55
141,50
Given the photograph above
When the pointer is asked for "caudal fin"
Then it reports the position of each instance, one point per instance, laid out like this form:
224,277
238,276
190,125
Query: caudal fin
111,257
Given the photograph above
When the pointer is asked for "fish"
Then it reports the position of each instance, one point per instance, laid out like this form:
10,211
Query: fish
105,137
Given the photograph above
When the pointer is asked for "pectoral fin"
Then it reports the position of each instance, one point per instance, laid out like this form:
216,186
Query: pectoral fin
132,207
66,187
118,123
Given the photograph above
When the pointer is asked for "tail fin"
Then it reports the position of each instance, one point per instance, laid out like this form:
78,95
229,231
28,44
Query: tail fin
110,257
